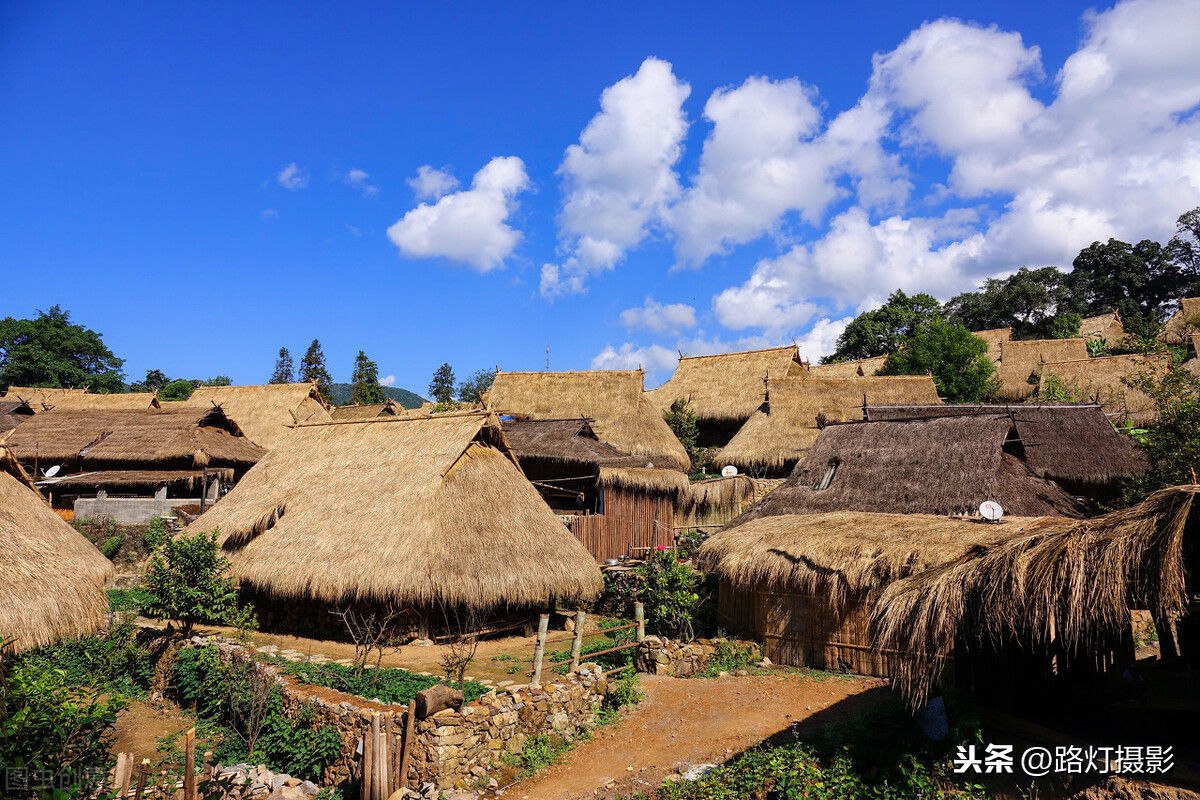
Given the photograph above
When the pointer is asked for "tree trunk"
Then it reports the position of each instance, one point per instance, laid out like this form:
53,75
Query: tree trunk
436,698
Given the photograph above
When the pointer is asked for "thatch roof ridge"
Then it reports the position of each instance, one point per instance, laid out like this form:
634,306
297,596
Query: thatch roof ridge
51,577
1020,359
264,411
1101,377
450,518
727,386
781,348
1071,582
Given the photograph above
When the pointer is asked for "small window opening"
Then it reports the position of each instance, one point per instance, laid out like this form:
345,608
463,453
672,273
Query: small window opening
827,478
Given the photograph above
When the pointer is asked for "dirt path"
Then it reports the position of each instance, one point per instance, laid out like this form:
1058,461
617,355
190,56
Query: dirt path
694,721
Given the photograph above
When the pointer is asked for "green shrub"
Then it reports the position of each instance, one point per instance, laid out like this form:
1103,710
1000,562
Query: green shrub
624,690
729,657
389,685
538,753
133,599
671,596
111,546
116,661
187,582
154,535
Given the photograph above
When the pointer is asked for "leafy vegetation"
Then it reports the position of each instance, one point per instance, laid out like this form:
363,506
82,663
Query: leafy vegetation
313,370
671,594
471,390
561,659
117,662
187,582
1172,443
957,360
50,350
123,543
283,367
681,419
387,684
441,385
879,332
729,657
365,388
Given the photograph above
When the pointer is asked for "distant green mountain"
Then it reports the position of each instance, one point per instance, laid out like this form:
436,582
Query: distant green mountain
341,395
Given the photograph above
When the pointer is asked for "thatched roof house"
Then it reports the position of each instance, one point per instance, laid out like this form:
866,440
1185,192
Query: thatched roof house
994,337
1074,445
862,368
779,433
368,411
1101,380
1105,327
81,399
1063,589
612,399
1183,322
1021,362
726,388
416,511
51,578
264,413
805,584
13,413
946,465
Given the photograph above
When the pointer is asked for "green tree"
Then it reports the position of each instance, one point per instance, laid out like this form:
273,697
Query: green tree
441,386
1172,443
472,389
364,382
155,380
312,368
49,350
681,419
180,389
879,332
1137,280
957,360
217,380
1064,326
1030,301
283,367
187,581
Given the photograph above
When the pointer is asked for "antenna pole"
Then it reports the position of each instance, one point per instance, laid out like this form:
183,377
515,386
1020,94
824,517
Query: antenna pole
547,356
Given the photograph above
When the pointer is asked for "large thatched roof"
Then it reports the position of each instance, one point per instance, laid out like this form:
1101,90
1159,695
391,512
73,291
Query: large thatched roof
993,337
265,412
1101,380
946,465
612,399
176,435
415,510
1021,362
1185,321
369,411
1070,583
1074,443
779,433
138,478
727,386
13,413
51,578
80,399
841,554
862,368
1107,327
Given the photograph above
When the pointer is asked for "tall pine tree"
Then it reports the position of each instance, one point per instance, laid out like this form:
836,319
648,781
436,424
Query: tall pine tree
283,367
364,383
441,388
312,368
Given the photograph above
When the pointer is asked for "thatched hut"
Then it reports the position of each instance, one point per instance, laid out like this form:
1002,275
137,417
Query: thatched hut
804,585
1051,601
366,411
1021,362
725,389
13,413
1073,445
994,337
1102,380
779,433
862,368
1183,322
106,460
612,399
1105,328
943,465
264,413
80,399
420,513
51,578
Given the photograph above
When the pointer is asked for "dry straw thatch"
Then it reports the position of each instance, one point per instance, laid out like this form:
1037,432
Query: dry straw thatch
389,409
419,511
189,478
13,413
839,555
80,399
1072,443
862,368
612,399
1021,362
563,441
727,386
264,413
779,434
1101,380
51,578
993,337
946,465
1183,322
1106,327
177,436
1059,583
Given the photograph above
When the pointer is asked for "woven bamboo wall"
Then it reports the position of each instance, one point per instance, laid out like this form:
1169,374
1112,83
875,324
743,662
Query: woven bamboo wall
632,525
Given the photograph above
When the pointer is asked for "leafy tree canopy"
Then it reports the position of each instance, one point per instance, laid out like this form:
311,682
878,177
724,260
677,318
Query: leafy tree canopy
471,390
50,351
1029,301
364,387
283,367
312,368
441,386
879,332
187,581
957,360
180,389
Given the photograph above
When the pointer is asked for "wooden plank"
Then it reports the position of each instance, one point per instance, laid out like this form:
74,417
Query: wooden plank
410,729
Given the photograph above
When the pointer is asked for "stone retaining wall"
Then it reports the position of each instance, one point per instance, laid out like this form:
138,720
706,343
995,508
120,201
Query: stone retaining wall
659,656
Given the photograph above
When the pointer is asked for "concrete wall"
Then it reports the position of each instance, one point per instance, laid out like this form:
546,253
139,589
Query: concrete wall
129,510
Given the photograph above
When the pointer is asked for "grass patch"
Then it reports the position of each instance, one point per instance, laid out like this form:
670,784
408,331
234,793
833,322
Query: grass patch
729,657
133,599
389,685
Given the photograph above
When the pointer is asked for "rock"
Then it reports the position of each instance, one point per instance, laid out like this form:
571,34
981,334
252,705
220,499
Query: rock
697,771
423,643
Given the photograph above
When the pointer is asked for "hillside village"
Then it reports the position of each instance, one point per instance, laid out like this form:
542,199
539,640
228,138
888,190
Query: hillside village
496,592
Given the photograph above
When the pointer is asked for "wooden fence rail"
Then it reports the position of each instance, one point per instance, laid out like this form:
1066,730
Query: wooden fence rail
577,637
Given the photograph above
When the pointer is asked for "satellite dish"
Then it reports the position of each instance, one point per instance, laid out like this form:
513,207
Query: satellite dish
50,473
728,471
991,510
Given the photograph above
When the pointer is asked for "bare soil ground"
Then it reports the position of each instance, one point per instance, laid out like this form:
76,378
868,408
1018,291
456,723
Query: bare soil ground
141,725
685,722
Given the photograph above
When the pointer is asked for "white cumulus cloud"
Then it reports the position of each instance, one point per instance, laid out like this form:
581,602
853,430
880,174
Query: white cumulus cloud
390,380
659,317
359,179
469,226
431,184
652,358
292,177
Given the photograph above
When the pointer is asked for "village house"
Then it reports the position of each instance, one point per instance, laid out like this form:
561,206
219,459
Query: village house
1102,380
265,413
1020,365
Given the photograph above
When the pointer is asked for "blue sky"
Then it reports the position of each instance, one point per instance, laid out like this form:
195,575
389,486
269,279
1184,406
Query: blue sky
204,184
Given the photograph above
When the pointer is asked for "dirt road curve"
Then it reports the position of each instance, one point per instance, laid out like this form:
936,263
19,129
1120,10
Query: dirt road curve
694,721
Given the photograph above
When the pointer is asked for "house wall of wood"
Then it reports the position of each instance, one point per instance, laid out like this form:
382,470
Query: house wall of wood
632,524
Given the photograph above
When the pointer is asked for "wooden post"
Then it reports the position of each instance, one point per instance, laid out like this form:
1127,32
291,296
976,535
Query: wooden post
379,779
141,782
577,645
368,765
410,729
639,614
122,772
543,624
189,764
388,750
206,772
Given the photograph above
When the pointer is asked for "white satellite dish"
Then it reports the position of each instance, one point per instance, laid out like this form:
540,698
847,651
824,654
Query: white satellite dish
991,510
728,471
50,473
